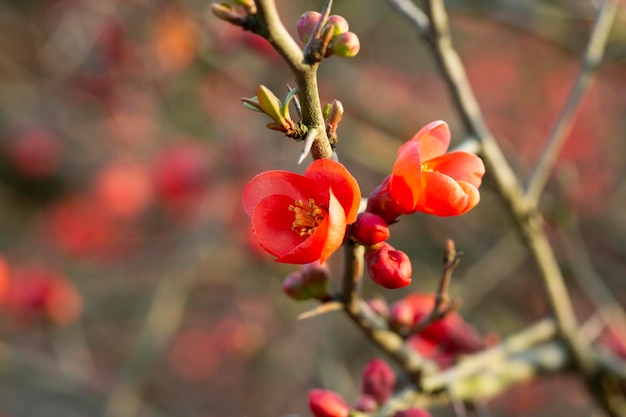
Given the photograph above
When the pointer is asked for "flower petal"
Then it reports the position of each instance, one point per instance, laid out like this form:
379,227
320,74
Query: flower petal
328,175
459,166
443,196
433,140
405,183
278,183
324,241
272,221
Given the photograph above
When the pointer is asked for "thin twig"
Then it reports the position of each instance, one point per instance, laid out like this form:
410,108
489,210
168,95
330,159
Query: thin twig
563,125
274,31
373,325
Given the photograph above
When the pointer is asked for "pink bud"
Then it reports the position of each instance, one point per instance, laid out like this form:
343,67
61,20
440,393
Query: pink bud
412,412
324,403
378,380
315,278
366,404
340,25
402,315
379,306
306,25
370,229
388,267
294,287
346,45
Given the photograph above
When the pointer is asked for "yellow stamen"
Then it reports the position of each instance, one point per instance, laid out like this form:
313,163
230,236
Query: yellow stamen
308,217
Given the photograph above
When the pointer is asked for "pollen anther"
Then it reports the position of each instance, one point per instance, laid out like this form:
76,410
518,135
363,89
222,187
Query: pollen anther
308,217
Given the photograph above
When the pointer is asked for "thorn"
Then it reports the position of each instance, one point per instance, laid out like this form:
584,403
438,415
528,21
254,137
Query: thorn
321,309
308,144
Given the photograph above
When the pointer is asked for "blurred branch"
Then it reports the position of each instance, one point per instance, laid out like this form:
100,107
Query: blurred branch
560,132
509,187
305,74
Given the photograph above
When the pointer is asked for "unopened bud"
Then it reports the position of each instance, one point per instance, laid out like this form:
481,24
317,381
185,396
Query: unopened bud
225,12
306,25
401,316
346,45
388,267
324,403
370,229
366,404
335,114
412,412
315,278
378,380
294,286
339,24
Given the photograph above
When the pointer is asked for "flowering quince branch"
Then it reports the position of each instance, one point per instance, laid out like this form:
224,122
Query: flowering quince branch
304,219
526,214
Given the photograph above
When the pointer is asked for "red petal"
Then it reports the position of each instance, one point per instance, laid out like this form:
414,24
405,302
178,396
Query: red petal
329,174
324,241
443,196
433,139
272,223
278,183
406,176
461,166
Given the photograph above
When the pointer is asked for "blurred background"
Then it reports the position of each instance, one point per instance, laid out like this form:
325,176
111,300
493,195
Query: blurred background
129,279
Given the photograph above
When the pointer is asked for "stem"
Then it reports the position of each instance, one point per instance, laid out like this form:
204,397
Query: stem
274,31
560,132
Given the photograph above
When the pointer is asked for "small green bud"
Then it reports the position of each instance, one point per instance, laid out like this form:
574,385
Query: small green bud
346,45
340,25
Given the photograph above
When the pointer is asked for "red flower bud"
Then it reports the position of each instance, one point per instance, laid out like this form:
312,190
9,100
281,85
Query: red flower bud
401,316
370,229
346,45
340,25
324,403
306,24
388,267
366,404
412,412
378,380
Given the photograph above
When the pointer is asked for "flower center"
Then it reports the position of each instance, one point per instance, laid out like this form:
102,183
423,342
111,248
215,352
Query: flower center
308,217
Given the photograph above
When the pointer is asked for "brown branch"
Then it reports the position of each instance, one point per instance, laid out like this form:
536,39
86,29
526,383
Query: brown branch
272,28
563,125
509,187
374,326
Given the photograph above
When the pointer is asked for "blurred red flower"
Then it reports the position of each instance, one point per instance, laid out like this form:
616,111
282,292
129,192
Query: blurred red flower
302,218
424,178
42,293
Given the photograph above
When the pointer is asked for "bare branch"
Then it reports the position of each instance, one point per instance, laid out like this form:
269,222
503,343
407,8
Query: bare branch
563,125
274,31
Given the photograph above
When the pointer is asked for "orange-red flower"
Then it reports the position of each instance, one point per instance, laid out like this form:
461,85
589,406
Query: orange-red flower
302,218
424,178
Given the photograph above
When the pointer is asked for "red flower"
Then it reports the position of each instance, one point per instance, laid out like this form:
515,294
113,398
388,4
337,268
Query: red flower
426,179
302,218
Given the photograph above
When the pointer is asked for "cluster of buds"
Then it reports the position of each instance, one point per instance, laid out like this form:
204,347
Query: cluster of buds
387,266
441,337
310,282
329,37
377,384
